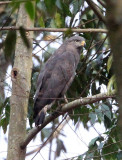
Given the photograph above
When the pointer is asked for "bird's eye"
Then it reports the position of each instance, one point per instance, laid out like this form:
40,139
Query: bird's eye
76,41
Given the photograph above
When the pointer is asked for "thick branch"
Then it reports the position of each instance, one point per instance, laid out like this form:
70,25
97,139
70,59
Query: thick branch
96,10
56,29
64,109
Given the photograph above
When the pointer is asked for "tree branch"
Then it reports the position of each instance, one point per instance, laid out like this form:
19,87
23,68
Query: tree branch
54,135
102,3
57,29
96,10
5,2
64,109
8,2
51,136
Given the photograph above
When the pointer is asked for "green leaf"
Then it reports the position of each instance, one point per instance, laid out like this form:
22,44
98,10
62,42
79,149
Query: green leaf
109,146
24,37
10,44
107,122
119,156
109,63
93,117
5,115
68,32
99,114
51,7
80,157
30,9
58,4
7,112
41,7
58,20
46,132
105,109
65,8
93,141
4,103
41,22
52,23
111,84
15,5
4,124
37,1
76,6
89,156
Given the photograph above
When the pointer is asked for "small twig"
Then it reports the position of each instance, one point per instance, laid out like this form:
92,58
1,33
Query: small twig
55,135
96,10
93,157
37,58
50,137
8,2
102,3
5,2
97,50
89,30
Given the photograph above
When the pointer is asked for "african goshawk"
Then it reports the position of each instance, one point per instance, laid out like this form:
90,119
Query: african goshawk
57,75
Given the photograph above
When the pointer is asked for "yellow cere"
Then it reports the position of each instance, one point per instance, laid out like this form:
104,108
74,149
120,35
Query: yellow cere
82,43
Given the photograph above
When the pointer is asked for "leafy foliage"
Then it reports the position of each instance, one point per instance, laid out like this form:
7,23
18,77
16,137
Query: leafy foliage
94,73
10,44
30,9
5,114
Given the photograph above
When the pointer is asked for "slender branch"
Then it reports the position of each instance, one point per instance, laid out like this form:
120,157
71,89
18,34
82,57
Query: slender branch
102,3
8,2
37,58
56,29
50,137
5,2
94,157
64,109
96,10
55,135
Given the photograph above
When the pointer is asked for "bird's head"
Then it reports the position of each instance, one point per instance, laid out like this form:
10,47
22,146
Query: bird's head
77,41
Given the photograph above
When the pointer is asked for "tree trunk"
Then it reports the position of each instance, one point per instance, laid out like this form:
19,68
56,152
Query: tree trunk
114,19
21,82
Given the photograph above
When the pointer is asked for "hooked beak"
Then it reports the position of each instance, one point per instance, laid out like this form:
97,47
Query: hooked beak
83,43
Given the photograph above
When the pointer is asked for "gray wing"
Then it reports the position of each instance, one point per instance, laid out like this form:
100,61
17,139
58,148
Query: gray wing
54,80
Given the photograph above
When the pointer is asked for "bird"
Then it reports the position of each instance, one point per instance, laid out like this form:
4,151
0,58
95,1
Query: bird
56,76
